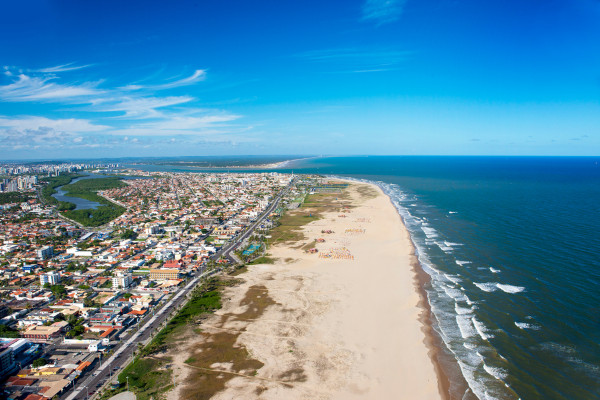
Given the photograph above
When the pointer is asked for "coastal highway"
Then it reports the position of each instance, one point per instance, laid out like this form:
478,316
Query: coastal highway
229,247
123,352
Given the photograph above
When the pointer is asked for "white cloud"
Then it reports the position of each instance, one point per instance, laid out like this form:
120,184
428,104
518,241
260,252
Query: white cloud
382,11
139,108
65,125
197,76
62,68
187,123
142,114
27,88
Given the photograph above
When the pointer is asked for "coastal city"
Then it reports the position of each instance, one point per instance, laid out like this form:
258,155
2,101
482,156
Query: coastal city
75,290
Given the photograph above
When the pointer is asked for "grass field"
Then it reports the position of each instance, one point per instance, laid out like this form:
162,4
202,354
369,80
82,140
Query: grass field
290,225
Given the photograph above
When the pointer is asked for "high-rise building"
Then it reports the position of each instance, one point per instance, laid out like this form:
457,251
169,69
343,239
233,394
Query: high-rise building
45,252
121,280
53,278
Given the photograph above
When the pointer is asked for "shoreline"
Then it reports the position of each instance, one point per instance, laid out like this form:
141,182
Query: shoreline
437,348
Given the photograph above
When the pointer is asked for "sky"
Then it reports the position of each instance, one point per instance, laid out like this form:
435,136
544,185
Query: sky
113,78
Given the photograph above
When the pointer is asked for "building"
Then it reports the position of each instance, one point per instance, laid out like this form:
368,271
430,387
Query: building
121,280
42,333
53,278
29,267
7,359
153,230
45,252
164,273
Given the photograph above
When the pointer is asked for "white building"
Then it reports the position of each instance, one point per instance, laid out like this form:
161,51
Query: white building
45,252
121,280
52,278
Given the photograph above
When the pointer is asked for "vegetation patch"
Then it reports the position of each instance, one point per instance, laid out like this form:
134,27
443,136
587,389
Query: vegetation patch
14,197
146,378
366,192
222,348
53,183
86,189
205,299
263,260
289,226
148,375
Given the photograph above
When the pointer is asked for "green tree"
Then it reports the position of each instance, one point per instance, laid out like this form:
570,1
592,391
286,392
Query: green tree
8,332
39,362
58,291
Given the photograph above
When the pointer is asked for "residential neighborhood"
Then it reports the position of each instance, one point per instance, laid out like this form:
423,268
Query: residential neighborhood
69,293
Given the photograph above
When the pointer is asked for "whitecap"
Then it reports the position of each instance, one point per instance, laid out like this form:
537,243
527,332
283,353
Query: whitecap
461,263
445,249
481,329
465,326
452,212
525,325
452,278
486,287
429,232
494,270
453,293
451,244
510,288
496,372
462,310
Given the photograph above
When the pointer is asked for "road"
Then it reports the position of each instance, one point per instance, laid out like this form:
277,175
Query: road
229,247
123,352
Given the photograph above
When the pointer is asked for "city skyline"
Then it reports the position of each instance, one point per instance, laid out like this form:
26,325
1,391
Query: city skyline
365,77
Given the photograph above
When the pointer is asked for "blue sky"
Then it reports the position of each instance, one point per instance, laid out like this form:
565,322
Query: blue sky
187,78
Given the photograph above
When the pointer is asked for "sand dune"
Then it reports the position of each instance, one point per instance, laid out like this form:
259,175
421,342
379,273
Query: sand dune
340,326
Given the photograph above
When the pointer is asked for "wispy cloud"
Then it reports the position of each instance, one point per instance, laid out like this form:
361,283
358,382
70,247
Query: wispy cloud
138,108
62,68
198,76
382,11
136,112
357,60
28,88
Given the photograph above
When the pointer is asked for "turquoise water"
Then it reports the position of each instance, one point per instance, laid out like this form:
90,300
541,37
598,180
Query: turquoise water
251,249
512,248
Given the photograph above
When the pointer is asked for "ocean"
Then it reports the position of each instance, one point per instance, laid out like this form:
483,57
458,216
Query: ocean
512,249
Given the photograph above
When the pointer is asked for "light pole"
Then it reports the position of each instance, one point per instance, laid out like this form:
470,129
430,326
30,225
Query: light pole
127,378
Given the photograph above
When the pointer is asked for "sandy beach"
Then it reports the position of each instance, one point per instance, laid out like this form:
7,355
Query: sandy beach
341,323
